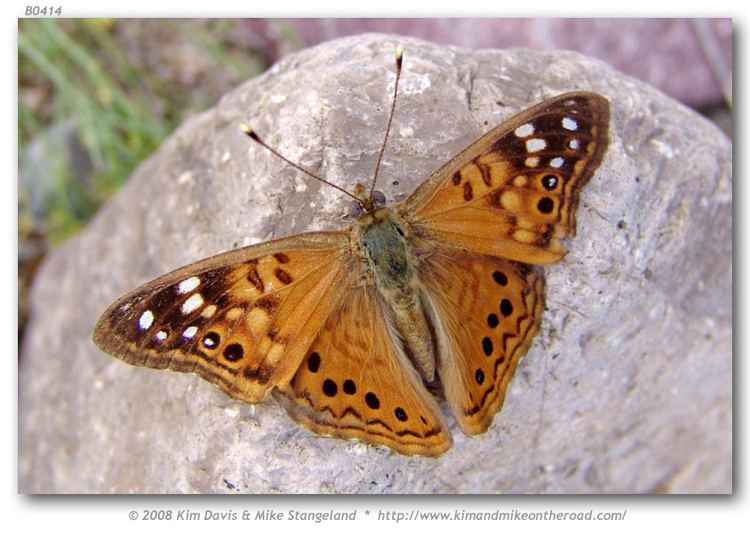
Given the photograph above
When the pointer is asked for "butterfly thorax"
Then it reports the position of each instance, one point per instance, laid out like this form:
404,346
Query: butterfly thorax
382,240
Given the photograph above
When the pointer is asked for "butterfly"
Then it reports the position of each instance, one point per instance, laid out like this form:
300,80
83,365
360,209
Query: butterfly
359,332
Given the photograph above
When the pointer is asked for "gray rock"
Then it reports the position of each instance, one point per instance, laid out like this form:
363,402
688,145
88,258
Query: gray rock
627,389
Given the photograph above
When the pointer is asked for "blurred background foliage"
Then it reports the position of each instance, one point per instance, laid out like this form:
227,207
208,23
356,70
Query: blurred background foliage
97,96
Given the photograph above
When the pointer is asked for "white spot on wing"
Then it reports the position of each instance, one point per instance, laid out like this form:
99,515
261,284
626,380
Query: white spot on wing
524,130
189,284
209,311
192,303
189,332
569,124
146,319
535,144
160,336
573,144
556,162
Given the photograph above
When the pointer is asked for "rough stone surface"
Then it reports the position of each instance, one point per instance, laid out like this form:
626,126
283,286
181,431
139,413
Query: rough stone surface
627,389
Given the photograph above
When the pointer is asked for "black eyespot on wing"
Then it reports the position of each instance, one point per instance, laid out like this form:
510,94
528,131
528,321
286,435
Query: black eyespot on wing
350,387
330,388
313,362
479,376
545,205
500,278
372,400
233,352
487,347
506,308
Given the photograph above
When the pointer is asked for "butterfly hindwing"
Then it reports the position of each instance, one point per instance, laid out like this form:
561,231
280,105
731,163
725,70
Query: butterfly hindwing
488,311
356,383
514,192
242,320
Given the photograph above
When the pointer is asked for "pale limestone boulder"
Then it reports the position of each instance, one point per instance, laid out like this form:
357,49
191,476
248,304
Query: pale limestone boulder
627,389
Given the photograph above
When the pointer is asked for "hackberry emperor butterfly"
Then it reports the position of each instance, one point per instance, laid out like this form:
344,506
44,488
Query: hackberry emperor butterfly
353,330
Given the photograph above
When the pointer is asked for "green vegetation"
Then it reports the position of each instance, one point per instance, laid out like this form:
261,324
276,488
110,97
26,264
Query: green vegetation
97,96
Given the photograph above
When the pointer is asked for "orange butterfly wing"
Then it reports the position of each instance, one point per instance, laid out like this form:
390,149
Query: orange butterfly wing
486,322
242,320
510,196
514,192
356,383
250,321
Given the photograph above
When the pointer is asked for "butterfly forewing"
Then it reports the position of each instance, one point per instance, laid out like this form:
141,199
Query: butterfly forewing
356,383
242,320
514,192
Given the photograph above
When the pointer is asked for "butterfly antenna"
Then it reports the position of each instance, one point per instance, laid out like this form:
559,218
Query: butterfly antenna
254,136
399,58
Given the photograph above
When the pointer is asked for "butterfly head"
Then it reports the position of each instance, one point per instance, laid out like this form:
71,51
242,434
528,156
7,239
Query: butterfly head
364,202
